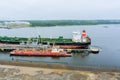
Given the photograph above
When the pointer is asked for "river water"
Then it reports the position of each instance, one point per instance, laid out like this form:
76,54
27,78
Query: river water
104,37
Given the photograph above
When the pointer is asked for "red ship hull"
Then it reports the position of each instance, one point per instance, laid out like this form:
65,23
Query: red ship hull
70,47
39,53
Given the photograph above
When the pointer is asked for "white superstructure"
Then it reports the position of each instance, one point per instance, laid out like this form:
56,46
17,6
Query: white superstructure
76,36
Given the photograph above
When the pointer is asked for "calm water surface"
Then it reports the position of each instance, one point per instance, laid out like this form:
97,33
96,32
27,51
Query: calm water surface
104,37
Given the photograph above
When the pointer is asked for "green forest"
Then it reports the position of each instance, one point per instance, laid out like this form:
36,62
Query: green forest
42,23
71,22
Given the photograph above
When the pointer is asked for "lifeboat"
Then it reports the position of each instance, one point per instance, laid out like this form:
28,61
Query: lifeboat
55,52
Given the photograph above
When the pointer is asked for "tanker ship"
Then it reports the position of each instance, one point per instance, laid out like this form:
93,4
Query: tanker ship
79,40
54,52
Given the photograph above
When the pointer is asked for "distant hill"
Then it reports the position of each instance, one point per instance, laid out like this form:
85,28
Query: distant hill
71,22
68,22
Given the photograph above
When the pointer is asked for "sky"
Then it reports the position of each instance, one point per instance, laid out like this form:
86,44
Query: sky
59,9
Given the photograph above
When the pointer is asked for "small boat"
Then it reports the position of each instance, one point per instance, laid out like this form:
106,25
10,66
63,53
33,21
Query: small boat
94,50
54,52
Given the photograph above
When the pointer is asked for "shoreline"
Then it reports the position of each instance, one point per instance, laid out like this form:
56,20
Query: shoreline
58,66
17,70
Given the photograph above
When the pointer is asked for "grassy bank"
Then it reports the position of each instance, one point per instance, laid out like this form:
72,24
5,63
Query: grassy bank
16,70
8,72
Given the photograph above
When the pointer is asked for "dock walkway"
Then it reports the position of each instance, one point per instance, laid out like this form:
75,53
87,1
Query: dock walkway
14,46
